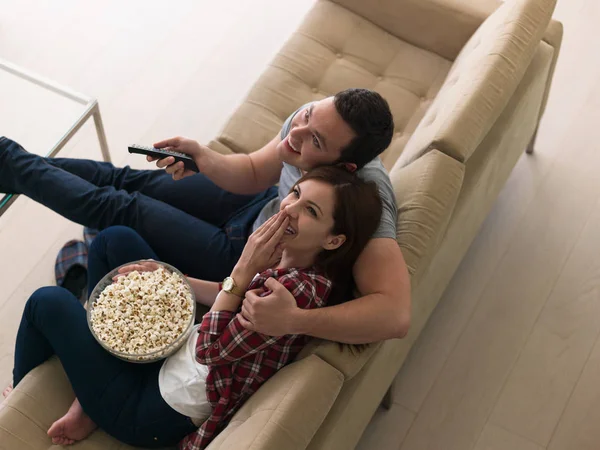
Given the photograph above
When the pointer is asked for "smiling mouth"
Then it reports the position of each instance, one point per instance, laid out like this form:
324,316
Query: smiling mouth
290,230
292,147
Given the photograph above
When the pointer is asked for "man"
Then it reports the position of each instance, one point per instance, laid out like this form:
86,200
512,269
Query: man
200,222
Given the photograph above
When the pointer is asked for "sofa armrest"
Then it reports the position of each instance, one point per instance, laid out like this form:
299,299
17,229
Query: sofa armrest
440,26
286,412
43,396
483,79
426,192
553,37
347,359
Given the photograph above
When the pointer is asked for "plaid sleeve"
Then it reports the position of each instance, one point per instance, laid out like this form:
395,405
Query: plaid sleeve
199,439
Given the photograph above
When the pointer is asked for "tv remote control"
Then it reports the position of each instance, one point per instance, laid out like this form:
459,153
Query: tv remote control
161,153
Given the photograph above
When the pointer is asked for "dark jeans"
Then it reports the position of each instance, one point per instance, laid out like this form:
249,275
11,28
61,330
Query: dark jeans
112,248
192,223
121,398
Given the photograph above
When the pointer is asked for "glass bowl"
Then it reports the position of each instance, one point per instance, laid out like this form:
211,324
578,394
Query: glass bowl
156,355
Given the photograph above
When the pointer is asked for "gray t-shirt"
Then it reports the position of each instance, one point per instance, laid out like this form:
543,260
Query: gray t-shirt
373,171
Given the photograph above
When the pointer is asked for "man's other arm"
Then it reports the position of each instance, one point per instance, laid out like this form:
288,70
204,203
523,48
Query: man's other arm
383,311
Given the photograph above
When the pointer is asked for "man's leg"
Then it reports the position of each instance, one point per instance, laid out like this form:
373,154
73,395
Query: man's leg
196,195
196,247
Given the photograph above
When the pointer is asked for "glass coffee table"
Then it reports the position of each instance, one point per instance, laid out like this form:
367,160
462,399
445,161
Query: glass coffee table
84,107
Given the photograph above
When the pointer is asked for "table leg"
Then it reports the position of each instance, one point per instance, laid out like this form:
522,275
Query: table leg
101,134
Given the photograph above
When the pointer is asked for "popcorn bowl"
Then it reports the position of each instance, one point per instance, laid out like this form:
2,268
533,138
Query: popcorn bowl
156,354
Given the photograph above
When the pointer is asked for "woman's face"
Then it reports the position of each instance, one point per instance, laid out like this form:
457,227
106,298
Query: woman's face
310,207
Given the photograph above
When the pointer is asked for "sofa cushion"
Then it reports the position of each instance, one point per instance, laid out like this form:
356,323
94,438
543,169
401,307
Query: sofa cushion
335,49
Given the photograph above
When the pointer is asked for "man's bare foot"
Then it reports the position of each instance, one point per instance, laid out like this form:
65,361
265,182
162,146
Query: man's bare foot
75,425
8,390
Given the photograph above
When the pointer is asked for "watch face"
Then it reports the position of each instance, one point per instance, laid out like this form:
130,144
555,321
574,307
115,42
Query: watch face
227,284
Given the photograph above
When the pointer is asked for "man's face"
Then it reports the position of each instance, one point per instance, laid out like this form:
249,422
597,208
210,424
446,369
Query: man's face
317,136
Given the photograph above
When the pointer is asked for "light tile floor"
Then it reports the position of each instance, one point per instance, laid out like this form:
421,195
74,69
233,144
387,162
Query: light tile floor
510,359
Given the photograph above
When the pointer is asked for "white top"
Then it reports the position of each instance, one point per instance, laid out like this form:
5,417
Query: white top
182,381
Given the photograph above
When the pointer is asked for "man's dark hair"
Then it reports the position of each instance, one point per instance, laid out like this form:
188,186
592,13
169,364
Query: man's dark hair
369,116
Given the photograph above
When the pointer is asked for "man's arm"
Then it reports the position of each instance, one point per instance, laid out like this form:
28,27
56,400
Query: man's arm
223,339
241,173
236,173
382,313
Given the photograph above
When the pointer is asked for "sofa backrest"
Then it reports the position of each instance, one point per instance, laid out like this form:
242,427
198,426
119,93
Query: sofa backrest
439,26
335,49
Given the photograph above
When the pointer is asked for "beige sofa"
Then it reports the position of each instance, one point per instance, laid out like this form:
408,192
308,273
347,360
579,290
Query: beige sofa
467,92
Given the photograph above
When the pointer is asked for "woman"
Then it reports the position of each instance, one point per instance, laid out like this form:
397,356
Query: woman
309,246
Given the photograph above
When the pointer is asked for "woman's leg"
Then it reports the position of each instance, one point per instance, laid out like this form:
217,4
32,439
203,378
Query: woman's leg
112,248
196,247
113,393
154,423
42,334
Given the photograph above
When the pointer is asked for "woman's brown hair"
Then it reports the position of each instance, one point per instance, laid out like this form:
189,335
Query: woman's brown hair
356,215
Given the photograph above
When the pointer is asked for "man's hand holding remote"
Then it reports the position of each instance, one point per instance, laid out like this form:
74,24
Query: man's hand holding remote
181,145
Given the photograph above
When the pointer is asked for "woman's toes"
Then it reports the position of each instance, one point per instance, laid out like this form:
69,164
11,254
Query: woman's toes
57,429
8,390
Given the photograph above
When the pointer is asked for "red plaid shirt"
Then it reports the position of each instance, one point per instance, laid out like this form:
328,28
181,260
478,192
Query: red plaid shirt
240,361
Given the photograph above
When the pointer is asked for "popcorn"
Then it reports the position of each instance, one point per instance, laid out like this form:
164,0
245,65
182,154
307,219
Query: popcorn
142,313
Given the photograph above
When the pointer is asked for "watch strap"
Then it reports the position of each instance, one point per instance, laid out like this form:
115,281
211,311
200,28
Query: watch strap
235,289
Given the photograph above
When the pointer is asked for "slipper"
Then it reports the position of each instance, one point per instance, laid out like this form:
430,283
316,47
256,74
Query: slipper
70,269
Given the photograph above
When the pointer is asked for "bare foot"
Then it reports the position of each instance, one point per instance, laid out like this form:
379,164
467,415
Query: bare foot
8,390
75,425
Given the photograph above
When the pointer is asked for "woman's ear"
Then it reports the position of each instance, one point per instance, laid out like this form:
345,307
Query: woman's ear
334,242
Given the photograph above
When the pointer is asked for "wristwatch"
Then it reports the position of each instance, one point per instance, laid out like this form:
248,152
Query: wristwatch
230,286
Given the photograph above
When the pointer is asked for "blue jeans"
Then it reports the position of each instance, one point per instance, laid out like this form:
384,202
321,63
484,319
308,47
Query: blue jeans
121,398
191,224
113,247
